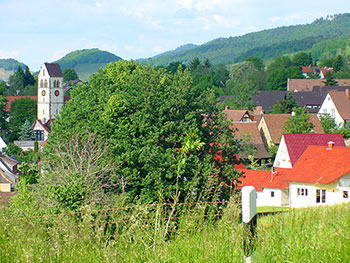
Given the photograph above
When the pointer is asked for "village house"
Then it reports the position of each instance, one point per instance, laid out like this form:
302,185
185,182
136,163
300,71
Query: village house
271,126
297,85
292,146
8,173
337,105
321,176
246,125
271,189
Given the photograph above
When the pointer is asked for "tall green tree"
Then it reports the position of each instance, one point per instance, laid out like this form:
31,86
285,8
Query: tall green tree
330,81
70,74
286,105
21,110
26,132
143,115
3,114
278,78
299,123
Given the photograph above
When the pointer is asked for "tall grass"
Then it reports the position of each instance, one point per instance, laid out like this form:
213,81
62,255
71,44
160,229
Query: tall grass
194,234
131,235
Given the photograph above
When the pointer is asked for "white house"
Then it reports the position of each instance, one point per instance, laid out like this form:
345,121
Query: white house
271,189
337,105
2,144
321,176
292,146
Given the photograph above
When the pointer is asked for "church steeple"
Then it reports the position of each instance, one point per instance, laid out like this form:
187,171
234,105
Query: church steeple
50,91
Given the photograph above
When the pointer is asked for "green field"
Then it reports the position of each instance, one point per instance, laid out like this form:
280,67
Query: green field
198,234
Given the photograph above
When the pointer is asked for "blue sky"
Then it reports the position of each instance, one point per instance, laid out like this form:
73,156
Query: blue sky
39,31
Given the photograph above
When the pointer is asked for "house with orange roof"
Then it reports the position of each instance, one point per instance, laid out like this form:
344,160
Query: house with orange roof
271,126
321,176
308,84
238,115
292,146
271,187
246,125
337,105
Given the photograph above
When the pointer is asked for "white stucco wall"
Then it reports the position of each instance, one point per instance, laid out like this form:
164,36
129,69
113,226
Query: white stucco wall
327,107
334,193
5,187
264,197
282,159
49,104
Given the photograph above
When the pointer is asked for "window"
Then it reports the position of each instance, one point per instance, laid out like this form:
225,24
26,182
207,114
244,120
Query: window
345,194
272,194
333,113
320,196
45,83
302,191
39,135
43,72
41,83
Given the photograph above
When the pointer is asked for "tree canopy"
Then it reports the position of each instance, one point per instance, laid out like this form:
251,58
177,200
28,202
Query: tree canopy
299,123
144,115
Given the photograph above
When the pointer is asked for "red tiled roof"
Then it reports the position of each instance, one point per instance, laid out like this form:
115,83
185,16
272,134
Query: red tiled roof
264,179
319,164
11,99
297,143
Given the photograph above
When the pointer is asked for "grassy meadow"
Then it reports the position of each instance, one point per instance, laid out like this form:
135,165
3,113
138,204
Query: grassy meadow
158,233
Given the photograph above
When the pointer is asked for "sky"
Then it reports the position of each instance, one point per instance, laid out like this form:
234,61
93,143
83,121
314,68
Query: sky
38,31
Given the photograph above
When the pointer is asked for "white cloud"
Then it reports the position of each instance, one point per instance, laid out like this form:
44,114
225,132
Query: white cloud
158,49
185,3
275,19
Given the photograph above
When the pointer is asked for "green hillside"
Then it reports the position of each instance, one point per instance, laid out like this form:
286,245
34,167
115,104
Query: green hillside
8,66
87,61
266,44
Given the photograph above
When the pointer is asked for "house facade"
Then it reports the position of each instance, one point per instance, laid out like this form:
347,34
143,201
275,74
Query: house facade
292,146
271,189
337,105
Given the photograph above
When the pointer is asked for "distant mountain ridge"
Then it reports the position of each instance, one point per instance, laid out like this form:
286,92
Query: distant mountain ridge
87,61
266,44
8,66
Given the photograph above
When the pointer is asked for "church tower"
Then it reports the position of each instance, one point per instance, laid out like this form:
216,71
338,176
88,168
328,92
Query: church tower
50,91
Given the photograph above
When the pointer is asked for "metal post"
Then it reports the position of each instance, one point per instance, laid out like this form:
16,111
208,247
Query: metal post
249,220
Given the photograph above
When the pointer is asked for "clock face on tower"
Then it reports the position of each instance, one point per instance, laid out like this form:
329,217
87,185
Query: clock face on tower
43,93
57,92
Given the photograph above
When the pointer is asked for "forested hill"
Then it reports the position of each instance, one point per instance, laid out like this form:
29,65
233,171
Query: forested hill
8,66
87,61
265,44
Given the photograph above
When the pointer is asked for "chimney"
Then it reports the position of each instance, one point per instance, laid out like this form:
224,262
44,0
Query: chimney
330,145
347,93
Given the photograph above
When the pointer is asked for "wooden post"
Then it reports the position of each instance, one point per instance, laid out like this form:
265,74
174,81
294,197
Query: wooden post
249,220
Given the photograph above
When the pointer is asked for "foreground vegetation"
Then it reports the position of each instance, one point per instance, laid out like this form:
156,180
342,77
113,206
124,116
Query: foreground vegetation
197,234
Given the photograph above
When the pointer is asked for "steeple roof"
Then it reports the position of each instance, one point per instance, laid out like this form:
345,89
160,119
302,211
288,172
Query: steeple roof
54,70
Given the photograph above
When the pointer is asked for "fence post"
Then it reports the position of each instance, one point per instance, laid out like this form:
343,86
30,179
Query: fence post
249,220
